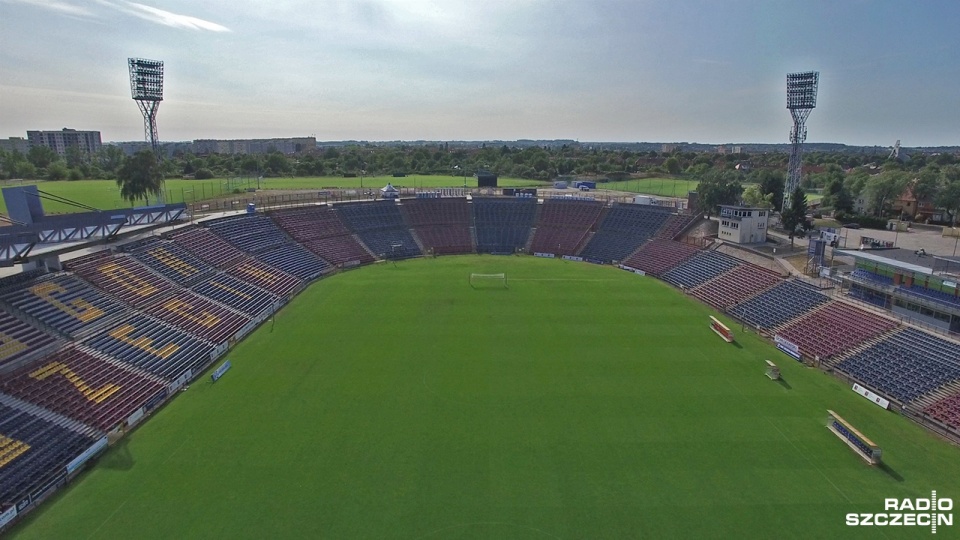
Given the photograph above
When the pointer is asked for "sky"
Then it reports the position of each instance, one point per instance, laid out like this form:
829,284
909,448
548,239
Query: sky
377,70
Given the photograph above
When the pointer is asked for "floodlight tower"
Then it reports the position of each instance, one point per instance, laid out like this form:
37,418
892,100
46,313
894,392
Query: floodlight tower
146,87
801,99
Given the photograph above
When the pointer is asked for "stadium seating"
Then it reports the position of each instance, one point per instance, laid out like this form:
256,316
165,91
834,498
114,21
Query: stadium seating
868,276
161,349
778,305
199,316
64,303
18,339
503,225
834,329
340,250
82,384
320,230
252,233
381,227
33,452
443,225
236,293
699,269
657,256
214,250
735,286
295,260
564,225
623,229
869,296
127,279
173,262
311,222
674,225
266,277
946,410
931,295
906,364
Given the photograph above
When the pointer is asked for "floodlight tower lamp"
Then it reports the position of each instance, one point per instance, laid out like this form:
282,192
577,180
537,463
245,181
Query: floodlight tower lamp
801,100
146,88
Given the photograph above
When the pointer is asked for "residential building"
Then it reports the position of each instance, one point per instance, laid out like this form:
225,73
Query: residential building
87,141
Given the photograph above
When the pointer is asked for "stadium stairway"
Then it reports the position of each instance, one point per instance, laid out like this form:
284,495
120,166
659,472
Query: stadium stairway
533,230
364,246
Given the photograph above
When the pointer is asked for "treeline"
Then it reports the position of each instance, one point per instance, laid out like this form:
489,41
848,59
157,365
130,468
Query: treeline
536,163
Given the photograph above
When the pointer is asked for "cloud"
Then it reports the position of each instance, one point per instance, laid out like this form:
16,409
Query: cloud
167,18
65,8
141,11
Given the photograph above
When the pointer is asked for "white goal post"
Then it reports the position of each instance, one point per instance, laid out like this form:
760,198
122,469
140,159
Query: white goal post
488,280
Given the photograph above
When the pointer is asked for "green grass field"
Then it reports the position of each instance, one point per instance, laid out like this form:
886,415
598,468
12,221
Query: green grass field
395,401
663,187
104,194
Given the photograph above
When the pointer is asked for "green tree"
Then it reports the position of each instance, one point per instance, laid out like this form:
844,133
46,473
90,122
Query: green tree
795,217
884,188
672,165
140,176
42,157
754,198
948,197
57,171
716,188
771,183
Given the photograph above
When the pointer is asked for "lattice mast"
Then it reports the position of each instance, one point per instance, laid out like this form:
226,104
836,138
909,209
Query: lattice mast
801,99
146,88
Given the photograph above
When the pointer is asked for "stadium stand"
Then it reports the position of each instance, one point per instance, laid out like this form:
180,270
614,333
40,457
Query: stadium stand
320,230
932,295
381,227
735,286
295,260
659,256
154,346
266,277
64,303
33,452
564,225
623,229
699,269
199,316
125,278
173,262
252,233
236,293
835,328
946,410
675,225
18,339
776,306
905,365
869,296
503,225
82,384
866,275
214,250
443,225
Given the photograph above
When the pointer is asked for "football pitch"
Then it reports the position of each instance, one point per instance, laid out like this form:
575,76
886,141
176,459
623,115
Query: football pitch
397,401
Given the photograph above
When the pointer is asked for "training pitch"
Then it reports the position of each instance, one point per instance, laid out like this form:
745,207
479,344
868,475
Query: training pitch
397,401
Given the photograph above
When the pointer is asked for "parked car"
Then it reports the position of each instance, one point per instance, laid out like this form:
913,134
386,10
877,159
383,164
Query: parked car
852,226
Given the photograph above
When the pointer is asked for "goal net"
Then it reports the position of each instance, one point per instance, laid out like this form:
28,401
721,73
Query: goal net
497,281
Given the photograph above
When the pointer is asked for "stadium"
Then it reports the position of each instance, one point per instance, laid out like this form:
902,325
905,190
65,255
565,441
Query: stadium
459,367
